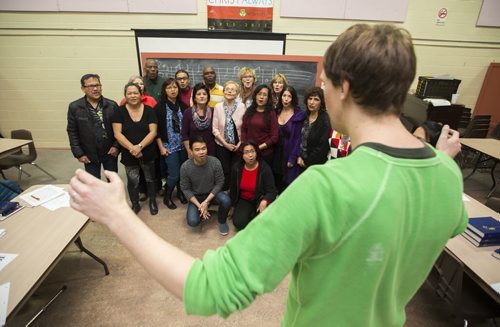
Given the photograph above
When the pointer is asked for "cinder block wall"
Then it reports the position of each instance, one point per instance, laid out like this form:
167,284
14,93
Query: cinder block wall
43,55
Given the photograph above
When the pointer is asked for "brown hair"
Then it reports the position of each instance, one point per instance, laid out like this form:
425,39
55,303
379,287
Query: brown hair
378,62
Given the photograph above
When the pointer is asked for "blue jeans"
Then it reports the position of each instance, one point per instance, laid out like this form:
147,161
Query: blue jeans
221,198
108,163
173,162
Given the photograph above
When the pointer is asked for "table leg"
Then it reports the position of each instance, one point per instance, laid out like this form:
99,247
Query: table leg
79,243
494,186
46,306
475,166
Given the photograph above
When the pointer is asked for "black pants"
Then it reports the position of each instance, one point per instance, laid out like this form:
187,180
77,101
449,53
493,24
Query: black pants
133,177
227,159
244,212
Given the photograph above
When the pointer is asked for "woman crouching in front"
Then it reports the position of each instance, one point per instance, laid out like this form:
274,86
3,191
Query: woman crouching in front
252,186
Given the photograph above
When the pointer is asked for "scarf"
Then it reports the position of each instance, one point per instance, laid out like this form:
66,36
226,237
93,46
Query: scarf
202,123
175,115
306,129
229,129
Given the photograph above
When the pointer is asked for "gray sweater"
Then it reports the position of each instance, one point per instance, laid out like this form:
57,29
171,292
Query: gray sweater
196,180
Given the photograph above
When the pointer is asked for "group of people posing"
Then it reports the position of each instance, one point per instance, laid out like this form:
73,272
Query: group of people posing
236,145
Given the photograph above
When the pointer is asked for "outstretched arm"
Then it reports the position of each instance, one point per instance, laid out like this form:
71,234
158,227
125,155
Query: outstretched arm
106,204
449,141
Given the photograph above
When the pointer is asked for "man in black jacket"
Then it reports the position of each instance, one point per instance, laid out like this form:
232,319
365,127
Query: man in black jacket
89,128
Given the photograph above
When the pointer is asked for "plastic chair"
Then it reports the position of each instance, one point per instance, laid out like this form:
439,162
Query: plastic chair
20,158
496,132
478,127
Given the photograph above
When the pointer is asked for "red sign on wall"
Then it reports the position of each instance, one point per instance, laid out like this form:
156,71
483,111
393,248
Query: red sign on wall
243,15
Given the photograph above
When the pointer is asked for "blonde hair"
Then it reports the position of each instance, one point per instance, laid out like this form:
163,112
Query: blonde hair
246,70
234,83
279,76
133,78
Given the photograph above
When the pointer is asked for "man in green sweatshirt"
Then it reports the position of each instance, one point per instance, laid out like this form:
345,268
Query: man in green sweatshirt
359,234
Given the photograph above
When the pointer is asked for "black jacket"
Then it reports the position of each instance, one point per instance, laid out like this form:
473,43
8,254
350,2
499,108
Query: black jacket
161,114
81,128
318,145
264,188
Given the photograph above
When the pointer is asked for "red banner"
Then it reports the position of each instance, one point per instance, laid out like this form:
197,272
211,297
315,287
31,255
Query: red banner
240,15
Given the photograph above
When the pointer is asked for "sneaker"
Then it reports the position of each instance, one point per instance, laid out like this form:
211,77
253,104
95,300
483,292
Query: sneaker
223,229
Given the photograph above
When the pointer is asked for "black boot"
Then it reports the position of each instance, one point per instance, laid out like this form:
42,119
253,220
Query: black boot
167,198
180,194
153,207
136,207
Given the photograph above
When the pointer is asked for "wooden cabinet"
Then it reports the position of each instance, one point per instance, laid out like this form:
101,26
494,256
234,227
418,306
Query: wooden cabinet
488,102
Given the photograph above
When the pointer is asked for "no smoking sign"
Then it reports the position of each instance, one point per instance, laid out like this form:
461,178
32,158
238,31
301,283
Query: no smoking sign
441,16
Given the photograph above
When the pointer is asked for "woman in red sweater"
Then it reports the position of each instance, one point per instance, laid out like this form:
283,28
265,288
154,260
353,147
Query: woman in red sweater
252,186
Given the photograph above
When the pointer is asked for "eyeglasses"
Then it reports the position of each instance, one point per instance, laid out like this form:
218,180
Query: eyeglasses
92,86
182,78
247,76
249,152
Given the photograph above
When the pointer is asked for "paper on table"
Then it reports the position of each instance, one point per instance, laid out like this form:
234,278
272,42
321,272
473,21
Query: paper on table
496,287
42,195
465,198
6,258
59,202
4,300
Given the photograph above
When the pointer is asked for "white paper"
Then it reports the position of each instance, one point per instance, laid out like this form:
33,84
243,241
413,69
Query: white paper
6,258
42,195
3,231
444,76
59,202
4,300
465,198
438,102
496,287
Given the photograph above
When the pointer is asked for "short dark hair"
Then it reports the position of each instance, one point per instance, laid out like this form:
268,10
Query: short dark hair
181,71
198,87
432,131
87,76
196,139
378,62
163,94
252,144
315,91
129,85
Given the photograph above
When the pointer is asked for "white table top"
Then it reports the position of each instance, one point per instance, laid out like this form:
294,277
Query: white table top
478,259
39,237
490,147
9,146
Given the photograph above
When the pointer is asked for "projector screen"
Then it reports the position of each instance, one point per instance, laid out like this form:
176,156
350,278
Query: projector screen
206,42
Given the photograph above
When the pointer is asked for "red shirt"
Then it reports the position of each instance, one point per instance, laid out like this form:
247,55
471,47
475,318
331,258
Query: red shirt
145,99
248,182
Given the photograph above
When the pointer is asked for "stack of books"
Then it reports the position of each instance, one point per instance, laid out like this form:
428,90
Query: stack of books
483,231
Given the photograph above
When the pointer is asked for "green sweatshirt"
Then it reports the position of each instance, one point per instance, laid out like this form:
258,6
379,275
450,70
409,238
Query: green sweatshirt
359,234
